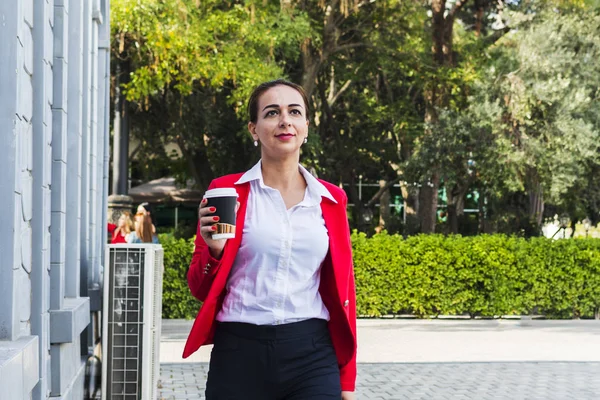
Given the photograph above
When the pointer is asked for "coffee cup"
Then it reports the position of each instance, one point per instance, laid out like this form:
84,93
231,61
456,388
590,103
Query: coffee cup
224,200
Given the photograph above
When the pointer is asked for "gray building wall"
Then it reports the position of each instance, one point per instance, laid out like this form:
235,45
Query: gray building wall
54,90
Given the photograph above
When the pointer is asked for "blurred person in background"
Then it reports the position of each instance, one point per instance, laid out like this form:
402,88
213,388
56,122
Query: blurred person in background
144,230
123,228
147,209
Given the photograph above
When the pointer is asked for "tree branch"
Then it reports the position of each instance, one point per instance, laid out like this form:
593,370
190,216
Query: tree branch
456,8
334,98
494,37
343,47
380,192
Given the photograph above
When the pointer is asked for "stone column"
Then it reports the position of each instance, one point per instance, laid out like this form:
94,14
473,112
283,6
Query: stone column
117,203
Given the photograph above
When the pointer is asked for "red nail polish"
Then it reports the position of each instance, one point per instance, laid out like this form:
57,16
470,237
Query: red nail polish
214,228
215,218
212,209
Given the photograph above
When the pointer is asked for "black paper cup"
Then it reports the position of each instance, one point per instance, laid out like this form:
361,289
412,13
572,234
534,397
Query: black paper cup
224,200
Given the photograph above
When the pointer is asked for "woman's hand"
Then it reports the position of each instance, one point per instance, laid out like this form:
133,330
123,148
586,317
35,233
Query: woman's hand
208,227
348,396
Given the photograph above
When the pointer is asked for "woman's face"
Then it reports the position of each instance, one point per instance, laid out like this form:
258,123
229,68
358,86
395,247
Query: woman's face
122,221
281,125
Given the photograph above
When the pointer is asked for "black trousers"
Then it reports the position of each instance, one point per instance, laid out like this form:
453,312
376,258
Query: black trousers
283,362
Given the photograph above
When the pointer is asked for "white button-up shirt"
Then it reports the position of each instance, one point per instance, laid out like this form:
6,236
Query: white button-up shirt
277,271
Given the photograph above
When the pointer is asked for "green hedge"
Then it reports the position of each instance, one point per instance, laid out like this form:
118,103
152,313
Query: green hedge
429,275
177,299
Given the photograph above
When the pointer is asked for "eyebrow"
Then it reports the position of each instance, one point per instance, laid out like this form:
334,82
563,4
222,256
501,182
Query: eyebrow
277,106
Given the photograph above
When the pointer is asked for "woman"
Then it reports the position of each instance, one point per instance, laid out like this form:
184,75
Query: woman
143,232
123,228
279,298
147,210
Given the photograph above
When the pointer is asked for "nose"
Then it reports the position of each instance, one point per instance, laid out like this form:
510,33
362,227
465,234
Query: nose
284,120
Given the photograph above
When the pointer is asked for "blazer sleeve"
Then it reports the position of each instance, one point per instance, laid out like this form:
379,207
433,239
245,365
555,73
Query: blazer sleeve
203,267
348,371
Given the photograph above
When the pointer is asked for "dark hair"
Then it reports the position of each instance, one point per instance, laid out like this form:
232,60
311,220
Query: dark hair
263,87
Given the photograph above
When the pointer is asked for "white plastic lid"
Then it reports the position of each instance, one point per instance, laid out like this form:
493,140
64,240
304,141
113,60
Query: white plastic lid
221,192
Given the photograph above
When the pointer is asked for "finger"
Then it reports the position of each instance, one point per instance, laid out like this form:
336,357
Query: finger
207,221
237,206
207,231
206,211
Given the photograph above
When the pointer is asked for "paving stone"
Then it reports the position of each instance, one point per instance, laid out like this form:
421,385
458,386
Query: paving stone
433,381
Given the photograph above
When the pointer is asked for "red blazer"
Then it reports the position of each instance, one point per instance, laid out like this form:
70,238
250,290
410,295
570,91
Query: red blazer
207,277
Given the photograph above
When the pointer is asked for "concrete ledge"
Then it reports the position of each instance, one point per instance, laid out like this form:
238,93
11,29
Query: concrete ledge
19,367
68,323
95,295
75,390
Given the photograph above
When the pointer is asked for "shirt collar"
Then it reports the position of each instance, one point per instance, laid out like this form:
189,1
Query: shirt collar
315,188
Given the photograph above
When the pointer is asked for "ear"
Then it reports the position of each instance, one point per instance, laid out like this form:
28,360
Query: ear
252,130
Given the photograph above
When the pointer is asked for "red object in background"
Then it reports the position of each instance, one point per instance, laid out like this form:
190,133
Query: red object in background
118,238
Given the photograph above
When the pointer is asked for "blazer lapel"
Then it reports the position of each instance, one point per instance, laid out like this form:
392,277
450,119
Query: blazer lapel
232,246
337,245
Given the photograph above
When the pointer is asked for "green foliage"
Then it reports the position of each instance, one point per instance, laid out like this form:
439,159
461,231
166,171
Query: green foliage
487,275
543,89
429,275
179,43
512,113
187,68
177,299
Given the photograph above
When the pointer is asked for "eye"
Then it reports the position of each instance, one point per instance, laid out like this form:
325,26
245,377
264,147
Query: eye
271,113
296,112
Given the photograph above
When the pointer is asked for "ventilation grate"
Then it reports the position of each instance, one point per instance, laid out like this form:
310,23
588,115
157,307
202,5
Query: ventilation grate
125,320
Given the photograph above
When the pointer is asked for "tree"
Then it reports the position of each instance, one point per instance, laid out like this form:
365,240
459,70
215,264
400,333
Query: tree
540,91
193,64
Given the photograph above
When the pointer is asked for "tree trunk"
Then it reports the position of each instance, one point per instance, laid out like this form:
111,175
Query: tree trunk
384,207
478,17
451,213
410,194
428,202
456,206
436,97
536,202
311,64
481,205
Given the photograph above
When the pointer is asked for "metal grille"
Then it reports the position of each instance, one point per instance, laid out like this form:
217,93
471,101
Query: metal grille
132,322
156,316
125,323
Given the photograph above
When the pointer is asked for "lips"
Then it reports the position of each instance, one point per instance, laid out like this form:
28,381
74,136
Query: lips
285,137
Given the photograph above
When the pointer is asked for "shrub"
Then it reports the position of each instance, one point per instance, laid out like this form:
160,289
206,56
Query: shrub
178,302
429,275
486,275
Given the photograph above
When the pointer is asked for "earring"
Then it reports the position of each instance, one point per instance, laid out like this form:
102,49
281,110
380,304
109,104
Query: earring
256,143
306,140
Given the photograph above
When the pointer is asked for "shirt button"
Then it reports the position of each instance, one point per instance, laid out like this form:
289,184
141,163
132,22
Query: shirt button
346,303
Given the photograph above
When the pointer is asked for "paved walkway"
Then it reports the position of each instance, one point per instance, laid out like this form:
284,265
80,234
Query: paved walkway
440,359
